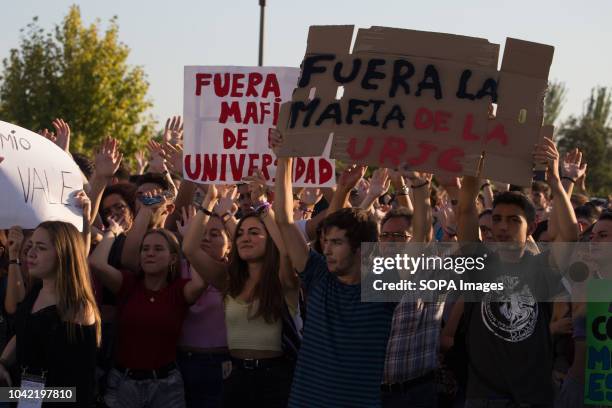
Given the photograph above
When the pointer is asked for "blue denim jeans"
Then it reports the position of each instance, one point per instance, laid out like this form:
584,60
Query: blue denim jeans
203,378
124,392
418,396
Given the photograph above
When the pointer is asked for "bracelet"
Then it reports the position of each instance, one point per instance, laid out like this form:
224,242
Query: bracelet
263,207
205,211
485,185
421,185
568,178
15,262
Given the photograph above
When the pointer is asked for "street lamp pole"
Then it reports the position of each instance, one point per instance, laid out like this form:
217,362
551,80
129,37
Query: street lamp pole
262,8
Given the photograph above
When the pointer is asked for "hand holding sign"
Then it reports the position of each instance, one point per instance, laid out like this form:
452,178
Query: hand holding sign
546,151
38,181
82,201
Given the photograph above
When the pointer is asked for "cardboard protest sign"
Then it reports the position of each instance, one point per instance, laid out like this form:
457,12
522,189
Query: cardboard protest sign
38,180
598,370
421,99
228,113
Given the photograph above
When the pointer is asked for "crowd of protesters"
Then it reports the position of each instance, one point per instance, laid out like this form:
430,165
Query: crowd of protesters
181,294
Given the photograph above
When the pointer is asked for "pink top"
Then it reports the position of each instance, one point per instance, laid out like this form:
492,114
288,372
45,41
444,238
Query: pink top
204,325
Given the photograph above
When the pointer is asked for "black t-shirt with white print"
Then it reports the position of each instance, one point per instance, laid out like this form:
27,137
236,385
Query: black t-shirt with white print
508,340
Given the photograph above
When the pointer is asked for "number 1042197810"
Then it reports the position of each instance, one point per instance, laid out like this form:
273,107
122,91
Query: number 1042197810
40,394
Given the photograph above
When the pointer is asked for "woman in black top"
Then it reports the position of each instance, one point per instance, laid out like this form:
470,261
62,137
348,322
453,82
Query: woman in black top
58,323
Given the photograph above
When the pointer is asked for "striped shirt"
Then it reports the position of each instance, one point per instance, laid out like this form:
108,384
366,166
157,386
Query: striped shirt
341,360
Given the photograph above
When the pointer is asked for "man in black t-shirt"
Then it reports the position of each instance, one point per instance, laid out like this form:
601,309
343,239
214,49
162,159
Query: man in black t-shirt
507,334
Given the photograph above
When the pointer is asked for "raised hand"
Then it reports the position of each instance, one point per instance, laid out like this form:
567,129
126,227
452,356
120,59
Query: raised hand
275,142
173,132
311,196
174,157
446,215
257,186
115,226
227,199
546,151
82,201
157,164
48,135
15,241
572,165
380,182
108,158
141,160
62,134
416,178
351,176
187,214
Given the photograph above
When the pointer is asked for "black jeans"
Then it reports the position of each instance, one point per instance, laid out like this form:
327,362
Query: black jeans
203,379
260,387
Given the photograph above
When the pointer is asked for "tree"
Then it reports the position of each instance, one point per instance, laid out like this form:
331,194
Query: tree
592,134
553,102
78,74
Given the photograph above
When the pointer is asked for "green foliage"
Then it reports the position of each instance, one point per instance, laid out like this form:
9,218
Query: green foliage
592,134
553,102
79,74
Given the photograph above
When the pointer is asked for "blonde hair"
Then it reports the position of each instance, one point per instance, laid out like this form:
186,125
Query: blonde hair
75,295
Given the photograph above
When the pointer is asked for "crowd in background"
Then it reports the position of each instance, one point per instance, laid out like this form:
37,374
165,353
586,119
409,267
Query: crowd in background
249,295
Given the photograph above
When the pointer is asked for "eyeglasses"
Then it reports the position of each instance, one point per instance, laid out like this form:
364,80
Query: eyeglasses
395,236
113,208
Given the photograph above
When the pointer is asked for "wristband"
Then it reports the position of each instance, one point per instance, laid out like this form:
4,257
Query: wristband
485,185
15,262
568,178
205,211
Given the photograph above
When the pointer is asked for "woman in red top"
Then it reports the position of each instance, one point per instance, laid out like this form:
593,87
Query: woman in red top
152,306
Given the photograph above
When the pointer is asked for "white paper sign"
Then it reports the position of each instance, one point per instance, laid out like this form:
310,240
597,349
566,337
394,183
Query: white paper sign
228,113
38,180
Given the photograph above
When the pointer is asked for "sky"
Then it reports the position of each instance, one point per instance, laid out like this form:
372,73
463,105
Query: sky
165,36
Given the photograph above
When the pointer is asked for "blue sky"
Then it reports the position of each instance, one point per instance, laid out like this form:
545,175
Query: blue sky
164,36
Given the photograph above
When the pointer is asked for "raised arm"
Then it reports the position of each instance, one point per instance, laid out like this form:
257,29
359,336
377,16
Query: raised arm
378,186
422,220
402,194
296,246
15,289
211,270
568,229
107,161
148,217
347,181
110,277
467,214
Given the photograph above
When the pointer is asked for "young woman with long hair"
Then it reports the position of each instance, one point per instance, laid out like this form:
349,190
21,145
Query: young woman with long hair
58,323
151,308
256,296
